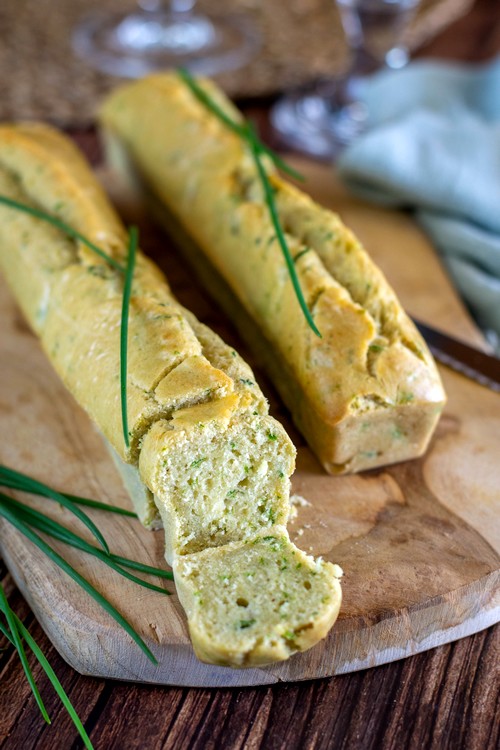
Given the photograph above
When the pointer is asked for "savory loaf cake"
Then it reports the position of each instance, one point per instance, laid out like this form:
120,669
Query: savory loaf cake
366,392
202,453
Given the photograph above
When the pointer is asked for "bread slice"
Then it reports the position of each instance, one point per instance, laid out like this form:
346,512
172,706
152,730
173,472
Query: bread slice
256,601
204,457
365,394
219,474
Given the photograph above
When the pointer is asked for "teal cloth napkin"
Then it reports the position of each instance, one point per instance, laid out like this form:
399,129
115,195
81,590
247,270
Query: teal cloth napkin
433,145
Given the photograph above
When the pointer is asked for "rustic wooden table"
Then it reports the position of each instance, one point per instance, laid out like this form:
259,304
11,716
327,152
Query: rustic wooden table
445,698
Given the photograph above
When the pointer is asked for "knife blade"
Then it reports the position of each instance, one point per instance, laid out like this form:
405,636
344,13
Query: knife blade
467,360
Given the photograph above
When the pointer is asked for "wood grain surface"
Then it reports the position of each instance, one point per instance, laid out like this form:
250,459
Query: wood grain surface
419,542
444,699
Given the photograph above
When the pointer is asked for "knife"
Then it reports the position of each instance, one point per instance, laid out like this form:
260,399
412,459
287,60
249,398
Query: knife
467,360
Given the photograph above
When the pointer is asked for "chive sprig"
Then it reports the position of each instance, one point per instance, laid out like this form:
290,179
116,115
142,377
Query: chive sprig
247,133
269,195
236,127
15,636
127,271
59,224
127,290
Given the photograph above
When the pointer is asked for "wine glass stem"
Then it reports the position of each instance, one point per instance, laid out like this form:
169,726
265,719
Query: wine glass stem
182,7
338,92
176,7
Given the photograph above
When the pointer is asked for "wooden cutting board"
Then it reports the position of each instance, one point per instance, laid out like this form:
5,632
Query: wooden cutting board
419,542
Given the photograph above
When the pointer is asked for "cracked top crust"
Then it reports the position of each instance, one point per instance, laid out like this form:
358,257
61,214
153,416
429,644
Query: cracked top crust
73,298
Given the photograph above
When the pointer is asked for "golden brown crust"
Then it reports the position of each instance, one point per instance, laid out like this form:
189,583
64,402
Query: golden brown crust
73,299
371,366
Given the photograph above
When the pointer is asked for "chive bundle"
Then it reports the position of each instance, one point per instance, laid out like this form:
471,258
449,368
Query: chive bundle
246,131
15,518
15,480
26,519
22,482
10,478
15,632
57,531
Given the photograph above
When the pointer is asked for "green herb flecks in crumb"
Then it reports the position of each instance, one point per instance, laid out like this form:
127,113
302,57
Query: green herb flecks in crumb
246,381
300,254
198,462
405,398
246,624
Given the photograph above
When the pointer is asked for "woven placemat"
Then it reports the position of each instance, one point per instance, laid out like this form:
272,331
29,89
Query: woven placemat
41,77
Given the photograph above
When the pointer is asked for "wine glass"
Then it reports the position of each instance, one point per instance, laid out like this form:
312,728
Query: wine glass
161,35
322,119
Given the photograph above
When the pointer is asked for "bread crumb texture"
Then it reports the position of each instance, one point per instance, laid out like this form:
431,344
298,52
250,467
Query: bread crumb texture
217,482
257,601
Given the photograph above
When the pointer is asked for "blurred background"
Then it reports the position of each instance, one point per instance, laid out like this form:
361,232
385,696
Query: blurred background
297,41
421,137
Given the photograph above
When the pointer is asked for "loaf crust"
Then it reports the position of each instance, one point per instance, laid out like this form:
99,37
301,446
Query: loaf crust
73,299
204,455
365,394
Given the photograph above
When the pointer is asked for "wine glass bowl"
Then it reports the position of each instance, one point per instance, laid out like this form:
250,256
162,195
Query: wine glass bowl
322,119
159,36
375,28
